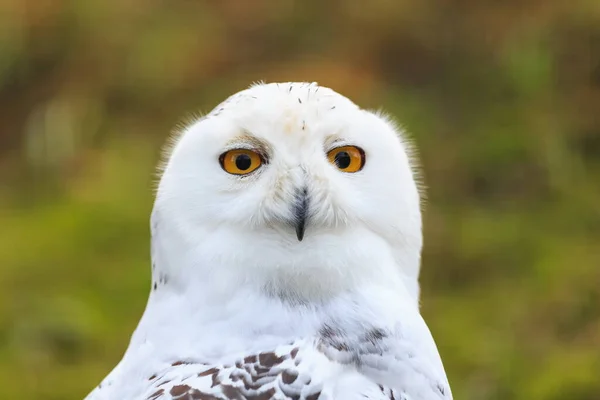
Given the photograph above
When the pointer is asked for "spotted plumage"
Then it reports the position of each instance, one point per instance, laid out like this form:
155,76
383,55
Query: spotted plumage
261,376
295,280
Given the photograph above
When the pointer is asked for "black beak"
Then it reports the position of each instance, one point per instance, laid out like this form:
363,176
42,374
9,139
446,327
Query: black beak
300,213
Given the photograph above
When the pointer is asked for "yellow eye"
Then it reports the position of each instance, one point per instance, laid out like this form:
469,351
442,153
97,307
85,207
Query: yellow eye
347,158
240,161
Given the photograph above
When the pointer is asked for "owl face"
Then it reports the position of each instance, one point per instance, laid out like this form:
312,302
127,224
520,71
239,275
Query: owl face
290,168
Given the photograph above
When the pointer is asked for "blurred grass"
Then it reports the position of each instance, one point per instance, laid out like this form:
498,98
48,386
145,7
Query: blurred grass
502,99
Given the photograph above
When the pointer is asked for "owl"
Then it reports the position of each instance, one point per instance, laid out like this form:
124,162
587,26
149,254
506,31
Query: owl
286,242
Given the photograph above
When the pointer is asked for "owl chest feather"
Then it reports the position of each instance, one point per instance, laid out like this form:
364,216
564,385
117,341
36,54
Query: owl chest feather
301,370
333,364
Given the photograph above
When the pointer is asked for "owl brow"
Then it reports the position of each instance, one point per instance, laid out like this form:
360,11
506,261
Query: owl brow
334,141
248,141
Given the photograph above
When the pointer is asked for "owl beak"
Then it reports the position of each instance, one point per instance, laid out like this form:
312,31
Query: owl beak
300,213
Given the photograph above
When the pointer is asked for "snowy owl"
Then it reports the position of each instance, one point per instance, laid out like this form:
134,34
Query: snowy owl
286,241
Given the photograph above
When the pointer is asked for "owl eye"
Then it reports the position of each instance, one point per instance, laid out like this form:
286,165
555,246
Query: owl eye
240,161
347,158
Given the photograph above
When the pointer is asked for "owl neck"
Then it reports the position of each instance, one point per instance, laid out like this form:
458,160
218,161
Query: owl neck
184,323
195,284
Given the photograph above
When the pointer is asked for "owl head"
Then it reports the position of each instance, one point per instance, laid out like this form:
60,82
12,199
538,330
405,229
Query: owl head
293,187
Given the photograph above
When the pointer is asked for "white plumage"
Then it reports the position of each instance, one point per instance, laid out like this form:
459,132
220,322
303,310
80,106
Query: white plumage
298,280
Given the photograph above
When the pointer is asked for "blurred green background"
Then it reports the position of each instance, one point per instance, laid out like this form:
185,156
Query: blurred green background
502,99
